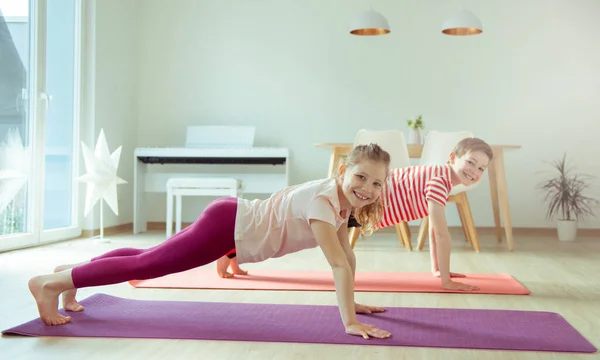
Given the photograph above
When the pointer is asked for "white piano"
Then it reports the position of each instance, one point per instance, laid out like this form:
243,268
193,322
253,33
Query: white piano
210,151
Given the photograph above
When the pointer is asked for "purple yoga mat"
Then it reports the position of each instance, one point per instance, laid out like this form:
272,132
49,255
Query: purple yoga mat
114,317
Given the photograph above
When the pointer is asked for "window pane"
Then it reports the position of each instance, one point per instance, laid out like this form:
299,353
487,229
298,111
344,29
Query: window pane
60,116
15,160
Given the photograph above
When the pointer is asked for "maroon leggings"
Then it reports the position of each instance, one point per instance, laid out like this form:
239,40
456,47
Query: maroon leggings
210,237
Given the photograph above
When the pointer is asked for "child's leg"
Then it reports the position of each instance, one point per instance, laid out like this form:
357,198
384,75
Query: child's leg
207,240
224,262
69,297
134,251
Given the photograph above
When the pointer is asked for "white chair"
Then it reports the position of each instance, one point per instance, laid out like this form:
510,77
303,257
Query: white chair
178,187
436,150
394,142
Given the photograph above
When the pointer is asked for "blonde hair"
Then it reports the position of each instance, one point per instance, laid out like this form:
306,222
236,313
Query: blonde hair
370,215
473,144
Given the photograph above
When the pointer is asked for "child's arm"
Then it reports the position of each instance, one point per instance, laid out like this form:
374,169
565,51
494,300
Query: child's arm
345,241
343,237
435,269
440,247
327,238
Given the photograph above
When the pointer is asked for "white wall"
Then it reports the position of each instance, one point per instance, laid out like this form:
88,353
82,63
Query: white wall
285,66
115,97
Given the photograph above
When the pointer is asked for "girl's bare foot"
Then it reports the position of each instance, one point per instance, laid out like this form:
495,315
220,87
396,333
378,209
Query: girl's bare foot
68,297
45,291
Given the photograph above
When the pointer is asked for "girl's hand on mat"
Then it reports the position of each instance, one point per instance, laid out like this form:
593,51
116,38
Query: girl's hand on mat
366,309
452,275
366,330
454,285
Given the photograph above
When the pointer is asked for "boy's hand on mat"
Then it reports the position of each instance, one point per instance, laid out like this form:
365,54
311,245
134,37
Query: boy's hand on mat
366,330
454,285
366,309
452,275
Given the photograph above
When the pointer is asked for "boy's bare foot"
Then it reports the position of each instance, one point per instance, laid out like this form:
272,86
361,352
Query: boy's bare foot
68,297
222,265
46,294
225,275
235,268
239,271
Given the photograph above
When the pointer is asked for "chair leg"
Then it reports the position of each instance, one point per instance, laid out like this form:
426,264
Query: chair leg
354,233
407,235
169,224
463,222
470,224
403,233
178,214
423,231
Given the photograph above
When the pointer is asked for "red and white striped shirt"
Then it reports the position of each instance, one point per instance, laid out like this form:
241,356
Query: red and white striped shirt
407,191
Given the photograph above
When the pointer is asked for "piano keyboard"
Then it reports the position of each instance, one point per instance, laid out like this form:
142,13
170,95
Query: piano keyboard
252,152
182,155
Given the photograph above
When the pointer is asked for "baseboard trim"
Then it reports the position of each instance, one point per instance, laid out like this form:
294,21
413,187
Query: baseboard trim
491,231
454,230
108,231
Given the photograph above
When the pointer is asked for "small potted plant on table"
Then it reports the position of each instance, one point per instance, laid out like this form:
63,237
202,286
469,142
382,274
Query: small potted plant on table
416,125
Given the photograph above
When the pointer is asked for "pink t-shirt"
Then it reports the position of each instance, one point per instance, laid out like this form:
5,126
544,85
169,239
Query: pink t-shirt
280,224
407,190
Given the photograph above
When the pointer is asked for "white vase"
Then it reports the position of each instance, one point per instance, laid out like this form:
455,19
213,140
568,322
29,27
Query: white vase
567,230
415,136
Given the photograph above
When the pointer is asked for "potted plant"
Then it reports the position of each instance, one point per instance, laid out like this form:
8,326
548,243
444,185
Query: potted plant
416,125
565,198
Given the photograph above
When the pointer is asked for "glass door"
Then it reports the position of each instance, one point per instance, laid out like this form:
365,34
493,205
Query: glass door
17,185
39,117
61,136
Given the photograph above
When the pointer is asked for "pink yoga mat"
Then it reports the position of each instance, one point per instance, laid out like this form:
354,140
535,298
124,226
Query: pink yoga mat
207,278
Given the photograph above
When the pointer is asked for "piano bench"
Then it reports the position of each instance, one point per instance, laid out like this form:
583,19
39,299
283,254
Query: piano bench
191,186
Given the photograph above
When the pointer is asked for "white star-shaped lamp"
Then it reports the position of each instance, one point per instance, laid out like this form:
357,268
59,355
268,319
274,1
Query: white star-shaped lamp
101,177
15,161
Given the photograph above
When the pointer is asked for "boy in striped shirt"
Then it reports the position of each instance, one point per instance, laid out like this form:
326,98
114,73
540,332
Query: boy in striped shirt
418,191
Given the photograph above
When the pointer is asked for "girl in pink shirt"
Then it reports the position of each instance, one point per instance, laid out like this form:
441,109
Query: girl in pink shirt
298,217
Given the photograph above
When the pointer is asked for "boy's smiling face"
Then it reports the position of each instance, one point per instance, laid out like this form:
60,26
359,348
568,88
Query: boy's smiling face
468,168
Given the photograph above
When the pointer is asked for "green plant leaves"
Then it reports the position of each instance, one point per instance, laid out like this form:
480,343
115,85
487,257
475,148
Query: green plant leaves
565,193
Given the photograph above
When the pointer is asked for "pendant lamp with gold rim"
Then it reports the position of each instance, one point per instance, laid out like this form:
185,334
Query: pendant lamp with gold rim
462,23
370,23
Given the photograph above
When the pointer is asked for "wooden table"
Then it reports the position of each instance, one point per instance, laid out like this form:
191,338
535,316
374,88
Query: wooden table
497,180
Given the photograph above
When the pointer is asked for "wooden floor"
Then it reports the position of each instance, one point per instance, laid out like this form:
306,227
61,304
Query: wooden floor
563,278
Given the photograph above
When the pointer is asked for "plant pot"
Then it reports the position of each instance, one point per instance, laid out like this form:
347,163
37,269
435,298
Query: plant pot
567,230
415,137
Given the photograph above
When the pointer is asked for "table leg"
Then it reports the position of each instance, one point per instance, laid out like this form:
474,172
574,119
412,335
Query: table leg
332,161
493,176
468,216
337,154
139,188
503,197
423,232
